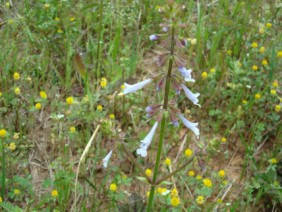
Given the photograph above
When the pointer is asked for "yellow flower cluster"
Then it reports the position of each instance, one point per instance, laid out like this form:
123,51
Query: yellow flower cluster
191,173
200,200
17,76
221,173
12,146
100,108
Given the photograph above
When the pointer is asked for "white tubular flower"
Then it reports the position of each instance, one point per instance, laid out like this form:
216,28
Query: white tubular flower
145,143
186,73
106,159
192,126
135,87
193,97
153,37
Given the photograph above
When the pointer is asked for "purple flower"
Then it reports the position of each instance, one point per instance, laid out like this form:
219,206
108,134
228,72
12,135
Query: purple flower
145,143
193,97
186,73
154,37
192,126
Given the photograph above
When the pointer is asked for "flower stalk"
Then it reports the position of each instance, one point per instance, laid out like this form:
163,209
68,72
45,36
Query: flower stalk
163,123
3,176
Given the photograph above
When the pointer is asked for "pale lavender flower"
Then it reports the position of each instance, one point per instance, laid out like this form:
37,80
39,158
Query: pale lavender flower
153,37
193,97
145,143
106,159
192,126
135,87
186,73
165,29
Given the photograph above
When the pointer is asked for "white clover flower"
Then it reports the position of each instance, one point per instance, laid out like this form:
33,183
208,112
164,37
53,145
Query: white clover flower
135,87
153,37
145,143
106,159
193,97
192,126
186,73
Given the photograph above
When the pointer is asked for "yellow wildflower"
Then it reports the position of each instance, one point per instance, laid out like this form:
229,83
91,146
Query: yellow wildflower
16,136
257,96
72,19
255,68
113,187
43,94
254,45
3,133
188,152
261,30
69,100
100,108
148,172
273,160
60,31
221,173
212,70
112,116
207,182
269,25
17,76
273,92
204,75
17,91
17,191
279,54
72,129
223,140
174,192
275,84
191,173
57,19
261,49
277,108
219,200
1,199
54,193
193,41
200,200
264,62
7,4
1,94
167,161
12,146
103,82
244,101
199,177
38,106
224,182
174,201
46,6
229,52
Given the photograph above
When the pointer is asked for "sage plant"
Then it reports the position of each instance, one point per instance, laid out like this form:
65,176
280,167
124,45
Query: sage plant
174,78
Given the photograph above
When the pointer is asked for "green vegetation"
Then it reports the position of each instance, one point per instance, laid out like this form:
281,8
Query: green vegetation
62,68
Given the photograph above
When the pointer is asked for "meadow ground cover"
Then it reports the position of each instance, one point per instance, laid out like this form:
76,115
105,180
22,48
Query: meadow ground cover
95,100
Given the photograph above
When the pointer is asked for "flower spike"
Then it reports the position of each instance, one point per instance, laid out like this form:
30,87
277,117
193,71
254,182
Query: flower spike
145,143
192,126
106,159
186,73
193,97
135,87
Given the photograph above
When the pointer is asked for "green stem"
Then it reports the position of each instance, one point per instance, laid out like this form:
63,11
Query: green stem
3,170
163,124
98,41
